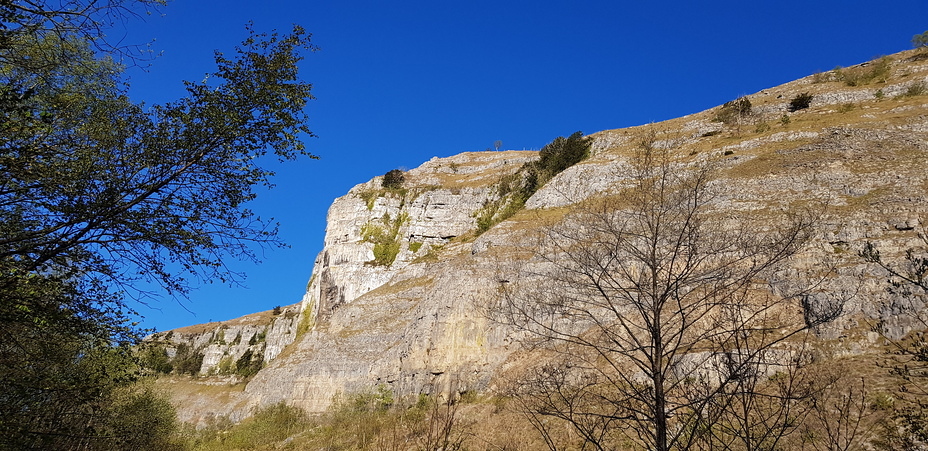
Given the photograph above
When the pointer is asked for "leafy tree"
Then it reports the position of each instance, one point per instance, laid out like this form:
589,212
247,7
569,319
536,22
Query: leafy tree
67,371
187,360
98,193
920,40
95,185
86,20
249,364
735,111
563,153
393,179
800,102
554,158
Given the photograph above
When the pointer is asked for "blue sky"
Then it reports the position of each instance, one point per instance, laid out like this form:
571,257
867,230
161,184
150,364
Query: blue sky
399,82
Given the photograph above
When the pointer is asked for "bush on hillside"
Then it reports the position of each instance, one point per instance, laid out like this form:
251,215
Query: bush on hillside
732,112
563,153
800,102
920,40
393,179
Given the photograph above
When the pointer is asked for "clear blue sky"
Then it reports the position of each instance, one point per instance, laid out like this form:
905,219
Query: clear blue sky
400,82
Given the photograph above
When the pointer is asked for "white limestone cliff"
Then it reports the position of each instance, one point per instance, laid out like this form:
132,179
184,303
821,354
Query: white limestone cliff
416,322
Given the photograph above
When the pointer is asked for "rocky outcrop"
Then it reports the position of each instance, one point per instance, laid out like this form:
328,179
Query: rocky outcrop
214,345
439,202
399,294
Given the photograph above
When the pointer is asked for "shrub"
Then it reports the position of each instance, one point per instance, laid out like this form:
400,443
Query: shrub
393,179
225,365
155,358
915,89
800,102
276,310
369,197
249,363
734,111
873,72
920,40
268,425
563,153
513,190
139,419
822,77
784,119
187,360
556,156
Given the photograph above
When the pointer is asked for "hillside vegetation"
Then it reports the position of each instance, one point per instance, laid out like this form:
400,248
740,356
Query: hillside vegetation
747,277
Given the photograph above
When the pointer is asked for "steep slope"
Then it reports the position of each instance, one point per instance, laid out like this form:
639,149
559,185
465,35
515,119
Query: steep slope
398,294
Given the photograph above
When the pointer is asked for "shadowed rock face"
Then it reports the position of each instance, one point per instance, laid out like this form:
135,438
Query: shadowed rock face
418,325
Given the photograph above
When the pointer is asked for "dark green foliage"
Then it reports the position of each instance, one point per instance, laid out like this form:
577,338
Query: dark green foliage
735,111
154,357
249,363
800,102
98,193
89,190
256,338
920,40
67,372
140,420
187,360
555,157
393,179
563,153
515,189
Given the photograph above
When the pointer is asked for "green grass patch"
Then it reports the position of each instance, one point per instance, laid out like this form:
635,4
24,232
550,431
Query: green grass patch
307,321
385,237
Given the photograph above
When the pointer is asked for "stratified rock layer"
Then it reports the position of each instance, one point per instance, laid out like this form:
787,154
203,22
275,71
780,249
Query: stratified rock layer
414,319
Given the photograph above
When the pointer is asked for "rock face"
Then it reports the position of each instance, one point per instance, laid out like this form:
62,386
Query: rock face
398,296
410,324
263,334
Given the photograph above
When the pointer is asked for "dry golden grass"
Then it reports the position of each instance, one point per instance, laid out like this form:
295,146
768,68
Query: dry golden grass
259,319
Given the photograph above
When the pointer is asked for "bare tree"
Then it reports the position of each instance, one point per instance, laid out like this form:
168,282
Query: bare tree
908,289
656,312
840,418
445,429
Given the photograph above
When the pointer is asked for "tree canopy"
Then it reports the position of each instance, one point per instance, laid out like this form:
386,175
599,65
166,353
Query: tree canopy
99,193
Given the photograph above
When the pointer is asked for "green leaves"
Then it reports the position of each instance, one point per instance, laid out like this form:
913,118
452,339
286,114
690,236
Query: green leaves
111,191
